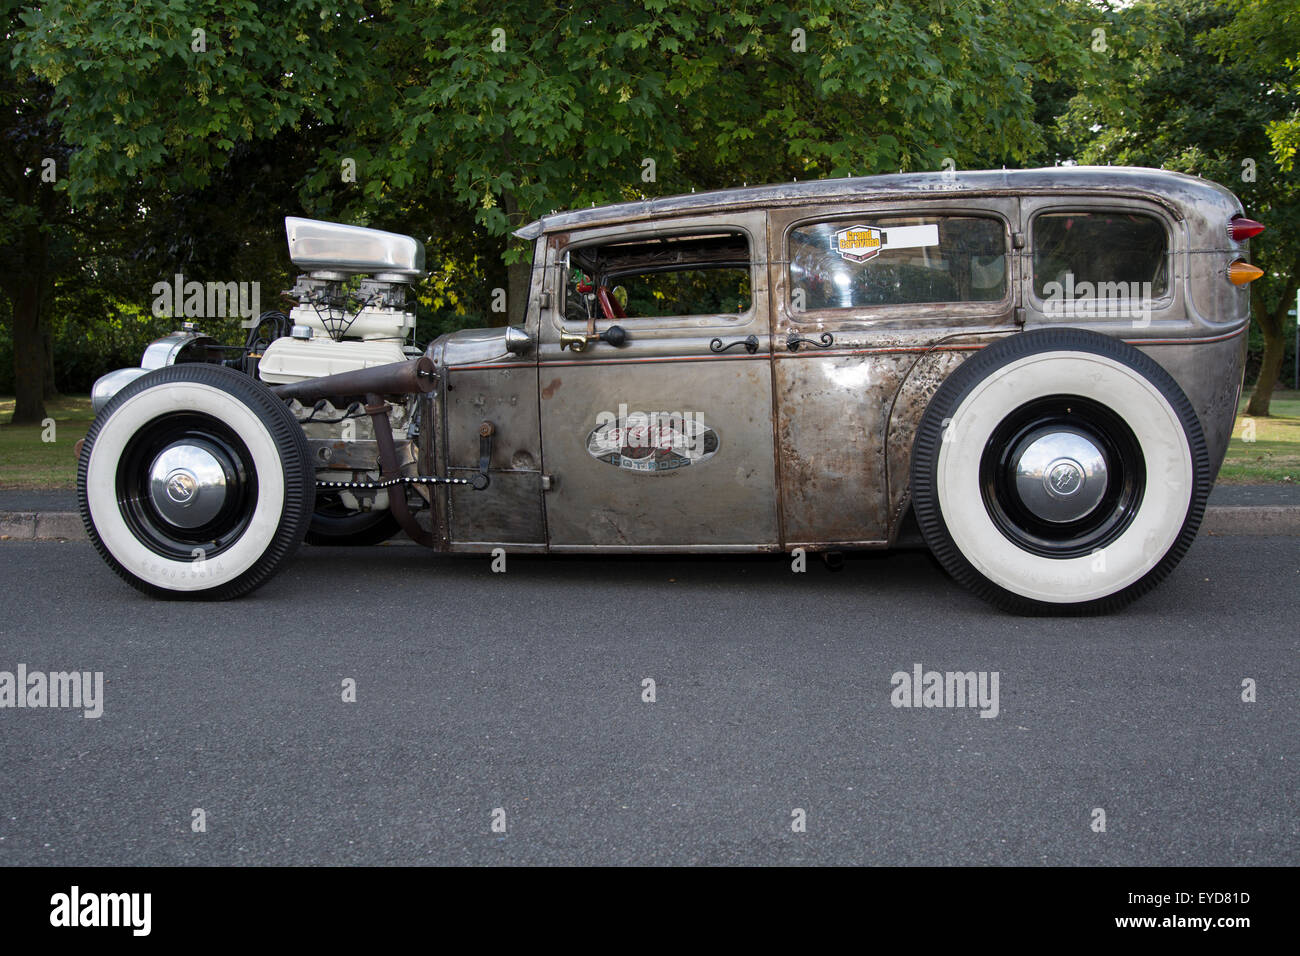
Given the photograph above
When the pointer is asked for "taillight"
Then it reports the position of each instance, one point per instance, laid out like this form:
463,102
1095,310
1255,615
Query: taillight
1241,272
1239,228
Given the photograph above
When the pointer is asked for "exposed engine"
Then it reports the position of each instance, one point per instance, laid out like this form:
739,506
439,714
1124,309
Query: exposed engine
344,361
376,310
344,447
353,311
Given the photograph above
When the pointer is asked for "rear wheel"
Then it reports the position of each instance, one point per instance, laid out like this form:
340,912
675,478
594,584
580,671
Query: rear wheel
194,482
1059,471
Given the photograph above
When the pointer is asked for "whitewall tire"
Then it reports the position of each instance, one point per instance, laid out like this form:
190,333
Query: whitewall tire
194,482
1059,471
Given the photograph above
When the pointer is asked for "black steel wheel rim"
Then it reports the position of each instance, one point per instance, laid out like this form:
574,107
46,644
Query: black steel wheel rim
1125,483
142,516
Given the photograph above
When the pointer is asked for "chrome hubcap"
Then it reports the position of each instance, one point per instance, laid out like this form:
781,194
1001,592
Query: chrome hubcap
187,484
1060,476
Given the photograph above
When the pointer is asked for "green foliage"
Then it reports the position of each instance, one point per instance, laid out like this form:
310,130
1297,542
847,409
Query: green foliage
688,292
512,108
145,97
1266,34
1196,88
457,122
92,333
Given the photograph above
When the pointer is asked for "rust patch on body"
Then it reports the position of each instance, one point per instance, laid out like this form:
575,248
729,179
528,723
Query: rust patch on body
552,388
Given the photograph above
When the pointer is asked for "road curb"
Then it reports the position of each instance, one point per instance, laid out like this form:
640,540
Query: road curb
1254,520
41,526
1221,520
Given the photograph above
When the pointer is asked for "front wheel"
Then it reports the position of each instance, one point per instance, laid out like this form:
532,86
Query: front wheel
1059,471
194,482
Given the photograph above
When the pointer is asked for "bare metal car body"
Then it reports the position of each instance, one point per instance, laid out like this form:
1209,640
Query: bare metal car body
817,441
801,405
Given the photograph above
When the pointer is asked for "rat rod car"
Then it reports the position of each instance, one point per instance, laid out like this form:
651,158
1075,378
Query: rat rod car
1041,366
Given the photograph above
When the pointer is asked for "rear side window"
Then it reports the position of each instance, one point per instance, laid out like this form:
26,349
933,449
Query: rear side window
1087,255
861,263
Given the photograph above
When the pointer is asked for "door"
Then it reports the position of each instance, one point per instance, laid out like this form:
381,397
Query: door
873,305
662,442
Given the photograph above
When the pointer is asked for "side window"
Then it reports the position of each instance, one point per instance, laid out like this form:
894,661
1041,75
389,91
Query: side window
1086,255
866,262
682,275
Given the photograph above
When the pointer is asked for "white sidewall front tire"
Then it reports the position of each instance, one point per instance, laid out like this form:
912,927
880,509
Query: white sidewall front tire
1153,530
122,424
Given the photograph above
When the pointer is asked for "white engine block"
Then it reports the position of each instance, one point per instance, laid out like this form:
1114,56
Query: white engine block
292,360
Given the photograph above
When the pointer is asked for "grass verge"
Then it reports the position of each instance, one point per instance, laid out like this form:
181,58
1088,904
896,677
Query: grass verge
1265,450
36,456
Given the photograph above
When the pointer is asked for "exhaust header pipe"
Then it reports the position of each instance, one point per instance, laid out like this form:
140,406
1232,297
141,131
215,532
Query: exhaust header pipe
398,378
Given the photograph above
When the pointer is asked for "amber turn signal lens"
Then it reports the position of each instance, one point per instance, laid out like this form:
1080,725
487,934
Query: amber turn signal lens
1239,228
1241,272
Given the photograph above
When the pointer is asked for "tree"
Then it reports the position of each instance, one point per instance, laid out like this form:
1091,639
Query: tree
44,239
1183,95
496,113
1266,34
28,206
521,109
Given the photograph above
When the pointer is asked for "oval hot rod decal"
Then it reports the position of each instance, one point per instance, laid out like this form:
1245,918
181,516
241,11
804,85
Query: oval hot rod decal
651,442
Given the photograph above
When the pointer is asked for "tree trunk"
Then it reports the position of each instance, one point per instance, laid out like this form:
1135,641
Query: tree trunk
1271,364
47,340
26,273
1270,326
29,356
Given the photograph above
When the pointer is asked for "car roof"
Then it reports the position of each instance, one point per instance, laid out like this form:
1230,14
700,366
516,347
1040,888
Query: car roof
1174,190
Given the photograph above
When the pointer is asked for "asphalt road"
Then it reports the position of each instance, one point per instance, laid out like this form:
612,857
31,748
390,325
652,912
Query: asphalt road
523,691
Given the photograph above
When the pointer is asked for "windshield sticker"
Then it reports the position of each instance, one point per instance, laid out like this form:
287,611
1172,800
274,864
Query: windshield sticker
860,243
